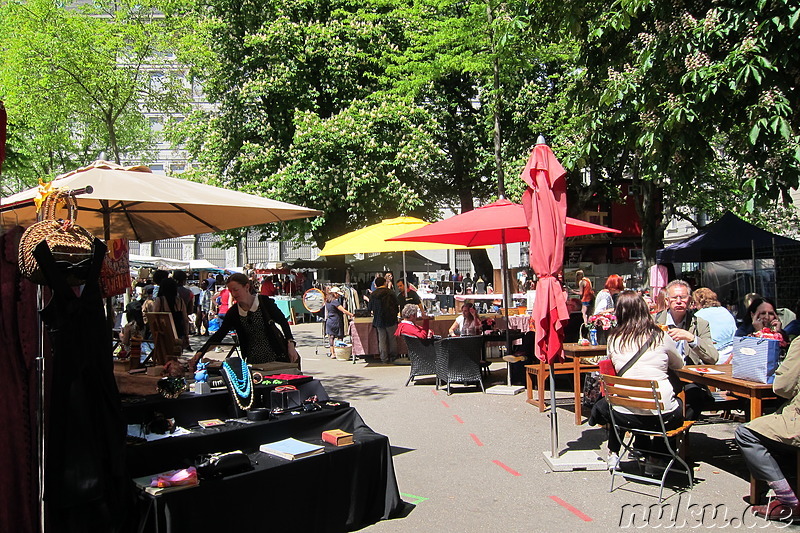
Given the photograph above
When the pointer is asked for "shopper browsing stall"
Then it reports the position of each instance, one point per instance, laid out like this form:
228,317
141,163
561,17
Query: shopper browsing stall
334,317
254,318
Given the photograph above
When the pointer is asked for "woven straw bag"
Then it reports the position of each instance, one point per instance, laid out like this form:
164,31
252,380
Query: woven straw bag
67,241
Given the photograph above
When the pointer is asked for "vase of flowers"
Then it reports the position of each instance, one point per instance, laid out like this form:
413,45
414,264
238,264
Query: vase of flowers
598,326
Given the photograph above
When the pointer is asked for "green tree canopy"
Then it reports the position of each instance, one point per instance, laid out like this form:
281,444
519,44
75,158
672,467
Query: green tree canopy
76,82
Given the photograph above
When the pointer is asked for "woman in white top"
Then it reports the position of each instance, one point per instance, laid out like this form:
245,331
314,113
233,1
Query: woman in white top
467,323
604,300
634,328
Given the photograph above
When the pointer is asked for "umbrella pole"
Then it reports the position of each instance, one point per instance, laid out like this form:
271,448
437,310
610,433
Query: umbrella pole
506,285
553,415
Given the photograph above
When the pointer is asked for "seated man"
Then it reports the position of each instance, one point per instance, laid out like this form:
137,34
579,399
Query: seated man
760,440
693,337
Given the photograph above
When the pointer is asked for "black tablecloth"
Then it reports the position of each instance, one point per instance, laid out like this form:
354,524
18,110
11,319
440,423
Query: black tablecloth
342,489
188,408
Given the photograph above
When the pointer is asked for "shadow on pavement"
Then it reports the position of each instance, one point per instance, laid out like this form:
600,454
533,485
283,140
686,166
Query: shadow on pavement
353,388
399,450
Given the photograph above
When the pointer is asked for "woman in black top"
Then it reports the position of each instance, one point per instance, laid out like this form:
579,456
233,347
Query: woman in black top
254,318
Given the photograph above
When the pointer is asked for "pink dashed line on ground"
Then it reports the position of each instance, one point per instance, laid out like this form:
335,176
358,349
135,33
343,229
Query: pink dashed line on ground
458,419
476,439
506,468
571,509
445,404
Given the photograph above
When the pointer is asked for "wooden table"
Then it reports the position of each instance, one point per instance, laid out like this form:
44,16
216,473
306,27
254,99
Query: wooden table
574,351
751,390
577,352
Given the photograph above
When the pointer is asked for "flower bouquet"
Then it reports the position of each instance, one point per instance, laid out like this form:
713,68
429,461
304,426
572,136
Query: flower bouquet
603,321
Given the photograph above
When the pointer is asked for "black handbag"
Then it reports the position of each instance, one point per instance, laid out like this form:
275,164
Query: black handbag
225,464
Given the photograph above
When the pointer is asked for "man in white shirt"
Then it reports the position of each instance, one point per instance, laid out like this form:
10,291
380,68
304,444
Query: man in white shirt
693,337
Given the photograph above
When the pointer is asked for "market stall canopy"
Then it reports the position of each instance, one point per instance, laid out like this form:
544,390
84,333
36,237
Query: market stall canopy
203,264
377,239
136,204
162,263
393,262
500,222
728,238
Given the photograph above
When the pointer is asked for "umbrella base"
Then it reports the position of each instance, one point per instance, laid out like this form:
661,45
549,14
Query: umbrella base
508,390
571,460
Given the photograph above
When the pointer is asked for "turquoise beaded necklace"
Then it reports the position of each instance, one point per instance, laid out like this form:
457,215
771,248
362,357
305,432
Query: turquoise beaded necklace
243,387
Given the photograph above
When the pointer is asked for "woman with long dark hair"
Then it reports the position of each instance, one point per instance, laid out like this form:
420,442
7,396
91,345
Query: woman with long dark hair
636,330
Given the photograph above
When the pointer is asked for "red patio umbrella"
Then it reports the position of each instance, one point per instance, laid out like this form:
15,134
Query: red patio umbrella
545,203
499,222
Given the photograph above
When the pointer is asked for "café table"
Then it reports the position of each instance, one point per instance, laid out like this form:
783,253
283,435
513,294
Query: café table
577,353
753,391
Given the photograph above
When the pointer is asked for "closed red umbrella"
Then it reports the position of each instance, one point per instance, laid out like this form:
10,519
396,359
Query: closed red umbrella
545,203
499,222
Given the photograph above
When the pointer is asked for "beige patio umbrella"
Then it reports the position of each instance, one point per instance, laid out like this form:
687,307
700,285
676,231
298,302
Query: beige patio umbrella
136,204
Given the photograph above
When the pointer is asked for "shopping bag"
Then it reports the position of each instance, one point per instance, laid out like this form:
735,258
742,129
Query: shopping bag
755,359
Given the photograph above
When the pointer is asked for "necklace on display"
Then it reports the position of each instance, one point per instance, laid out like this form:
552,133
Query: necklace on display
241,387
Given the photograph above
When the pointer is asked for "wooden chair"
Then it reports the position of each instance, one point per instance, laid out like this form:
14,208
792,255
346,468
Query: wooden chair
422,353
166,344
458,361
644,394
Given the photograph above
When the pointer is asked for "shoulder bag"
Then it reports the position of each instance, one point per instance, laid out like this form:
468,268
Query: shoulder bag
592,392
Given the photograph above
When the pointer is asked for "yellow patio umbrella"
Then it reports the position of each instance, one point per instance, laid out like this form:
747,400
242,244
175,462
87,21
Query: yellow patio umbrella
373,239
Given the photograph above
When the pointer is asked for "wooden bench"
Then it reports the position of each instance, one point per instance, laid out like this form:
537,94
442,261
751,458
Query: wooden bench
542,371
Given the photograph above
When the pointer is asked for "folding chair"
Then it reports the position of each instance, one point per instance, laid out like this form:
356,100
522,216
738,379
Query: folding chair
644,394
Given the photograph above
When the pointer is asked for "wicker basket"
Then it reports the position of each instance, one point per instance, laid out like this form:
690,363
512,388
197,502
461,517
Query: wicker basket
67,241
343,352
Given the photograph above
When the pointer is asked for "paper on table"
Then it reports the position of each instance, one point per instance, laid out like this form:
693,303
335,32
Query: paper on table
706,370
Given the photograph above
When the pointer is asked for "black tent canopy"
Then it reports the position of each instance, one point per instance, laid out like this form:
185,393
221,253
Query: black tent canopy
728,238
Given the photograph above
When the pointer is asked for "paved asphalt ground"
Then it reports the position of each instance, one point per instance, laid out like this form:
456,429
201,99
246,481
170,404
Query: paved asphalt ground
473,462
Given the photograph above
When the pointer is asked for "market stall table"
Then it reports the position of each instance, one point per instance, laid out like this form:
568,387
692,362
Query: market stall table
365,338
287,305
753,391
342,489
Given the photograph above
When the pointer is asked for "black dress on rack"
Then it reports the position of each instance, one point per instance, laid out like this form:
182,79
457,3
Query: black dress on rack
86,488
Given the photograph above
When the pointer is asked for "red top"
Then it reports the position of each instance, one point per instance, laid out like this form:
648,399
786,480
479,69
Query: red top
587,294
224,301
268,289
413,330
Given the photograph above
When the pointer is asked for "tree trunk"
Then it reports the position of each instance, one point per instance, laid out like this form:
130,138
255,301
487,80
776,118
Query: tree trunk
652,219
112,139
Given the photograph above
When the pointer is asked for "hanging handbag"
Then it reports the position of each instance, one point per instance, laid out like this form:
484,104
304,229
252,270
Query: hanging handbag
67,241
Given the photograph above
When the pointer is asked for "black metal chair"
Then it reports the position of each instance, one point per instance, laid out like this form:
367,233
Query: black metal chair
458,360
422,353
